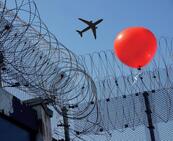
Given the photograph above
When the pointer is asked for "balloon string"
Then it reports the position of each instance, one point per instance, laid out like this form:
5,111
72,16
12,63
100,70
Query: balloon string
136,77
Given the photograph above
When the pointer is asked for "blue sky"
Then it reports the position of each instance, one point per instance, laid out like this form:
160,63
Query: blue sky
61,17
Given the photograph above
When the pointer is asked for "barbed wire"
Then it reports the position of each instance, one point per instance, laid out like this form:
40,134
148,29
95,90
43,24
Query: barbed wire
34,61
120,90
120,101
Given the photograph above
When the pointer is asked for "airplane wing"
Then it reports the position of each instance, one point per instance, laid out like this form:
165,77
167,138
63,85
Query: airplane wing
85,21
94,32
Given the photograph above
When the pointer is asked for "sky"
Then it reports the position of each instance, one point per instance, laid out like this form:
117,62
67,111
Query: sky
61,17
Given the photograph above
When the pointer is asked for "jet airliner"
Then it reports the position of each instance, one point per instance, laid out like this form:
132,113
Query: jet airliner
91,26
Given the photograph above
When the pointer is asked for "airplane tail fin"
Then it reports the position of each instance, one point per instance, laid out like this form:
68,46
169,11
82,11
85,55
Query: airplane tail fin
80,33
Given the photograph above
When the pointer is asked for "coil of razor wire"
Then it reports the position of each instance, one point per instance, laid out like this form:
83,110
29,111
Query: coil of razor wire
34,61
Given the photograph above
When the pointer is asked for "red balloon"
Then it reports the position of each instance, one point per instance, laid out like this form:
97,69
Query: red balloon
135,46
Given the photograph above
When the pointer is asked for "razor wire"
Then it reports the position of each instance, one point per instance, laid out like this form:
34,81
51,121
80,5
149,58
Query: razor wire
120,90
120,101
35,62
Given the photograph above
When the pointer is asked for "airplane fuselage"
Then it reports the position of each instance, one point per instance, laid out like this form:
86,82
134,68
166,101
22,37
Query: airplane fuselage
92,25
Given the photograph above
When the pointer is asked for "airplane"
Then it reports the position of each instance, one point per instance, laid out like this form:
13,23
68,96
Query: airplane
91,26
